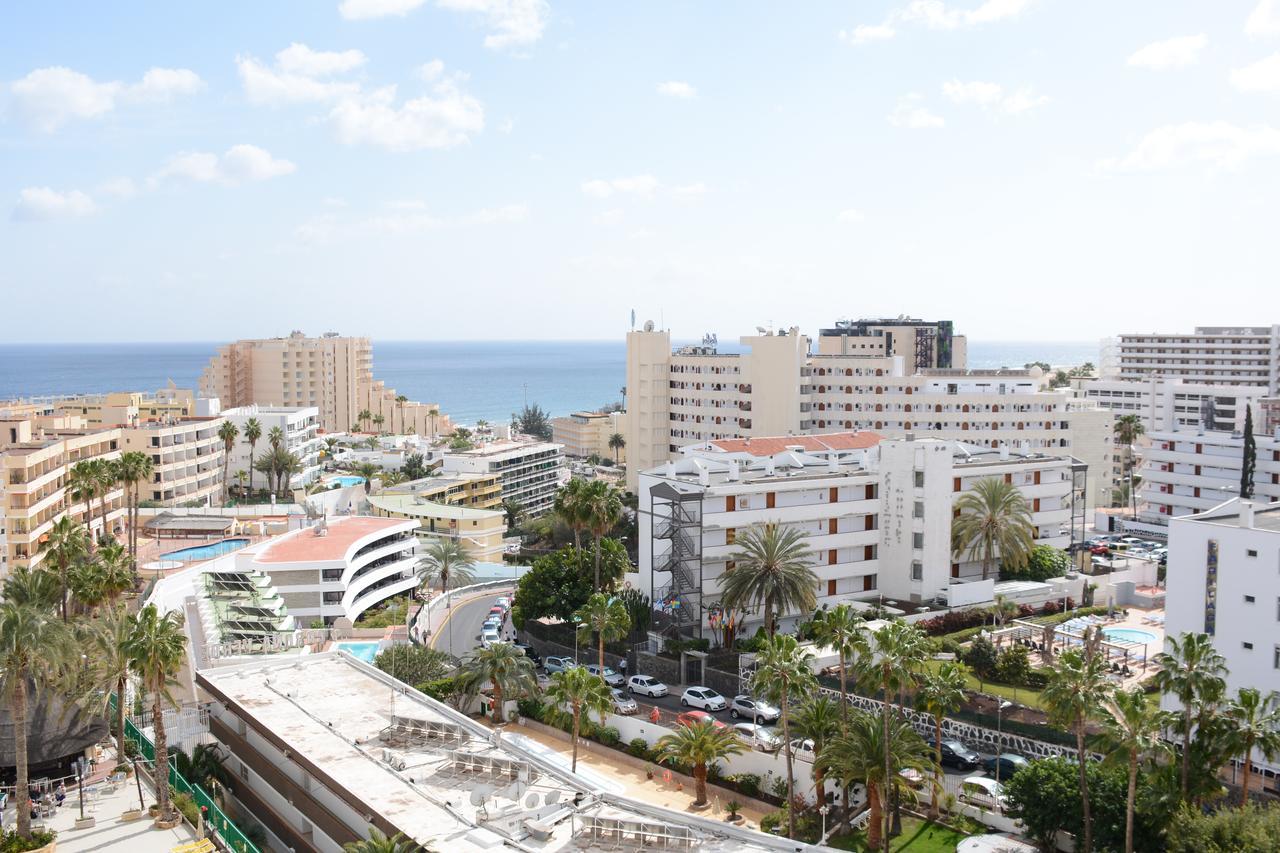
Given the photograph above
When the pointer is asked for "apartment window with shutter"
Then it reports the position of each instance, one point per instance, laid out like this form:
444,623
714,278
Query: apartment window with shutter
728,565
871,492
869,552
917,570
1008,478
831,557
868,583
955,570
955,484
1036,479
769,500
831,526
731,536
919,479
730,503
917,541
833,495
870,523
1035,505
917,510
831,587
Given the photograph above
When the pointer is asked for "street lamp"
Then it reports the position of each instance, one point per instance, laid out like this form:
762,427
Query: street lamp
1004,703
823,810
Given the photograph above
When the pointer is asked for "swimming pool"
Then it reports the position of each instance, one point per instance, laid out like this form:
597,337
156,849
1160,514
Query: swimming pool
1129,635
346,480
206,552
365,651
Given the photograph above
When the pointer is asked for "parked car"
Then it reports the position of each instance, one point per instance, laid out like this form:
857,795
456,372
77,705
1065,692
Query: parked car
913,777
489,636
1009,764
689,718
760,737
803,748
647,685
756,710
611,676
530,652
957,755
622,703
503,602
983,791
557,664
499,612
704,698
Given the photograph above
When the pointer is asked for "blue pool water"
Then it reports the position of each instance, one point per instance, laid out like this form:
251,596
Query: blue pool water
1129,635
346,480
206,552
365,651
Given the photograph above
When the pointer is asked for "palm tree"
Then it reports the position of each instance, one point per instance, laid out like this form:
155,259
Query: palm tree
378,421
156,649
993,522
400,401
36,650
227,432
1127,429
82,485
1194,672
113,562
134,466
874,756
505,668
698,745
582,693
85,581
897,646
1131,728
603,507
941,693
252,432
771,567
108,477
364,416
1002,610
570,505
109,657
449,562
367,470
275,438
379,843
616,443
242,477
289,464
36,587
68,543
819,720
604,616
843,629
391,478
1254,721
783,671
513,510
1077,691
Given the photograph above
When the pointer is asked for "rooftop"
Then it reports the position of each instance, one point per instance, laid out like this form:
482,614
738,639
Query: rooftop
308,545
769,445
414,505
497,448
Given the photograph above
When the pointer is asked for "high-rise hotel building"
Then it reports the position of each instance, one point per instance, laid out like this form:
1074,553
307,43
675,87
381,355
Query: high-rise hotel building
1211,355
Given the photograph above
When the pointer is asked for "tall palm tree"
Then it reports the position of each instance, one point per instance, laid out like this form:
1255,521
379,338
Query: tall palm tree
818,718
379,843
36,651
616,443
606,617
1254,723
117,578
771,567
505,668
108,476
1193,671
289,464
157,648
227,432
874,756
242,478
368,471
941,693
82,485
582,693
378,421
86,584
275,438
603,512
993,522
1131,729
134,467
400,401
783,671
37,587
364,417
68,543
1127,429
252,433
513,510
447,561
698,745
570,505
843,629
898,646
1076,693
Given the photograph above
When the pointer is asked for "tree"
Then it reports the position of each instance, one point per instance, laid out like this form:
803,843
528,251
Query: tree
982,658
85,583
1253,723
818,718
583,693
378,421
771,567
513,510
1193,671
157,649
992,522
603,508
1045,796
941,693
698,746
842,629
863,754
242,478
1127,429
616,443
227,431
134,467
606,617
898,646
37,587
532,420
782,673
1076,692
560,582
571,505
1251,828
368,471
1249,457
110,663
68,544
379,843
82,485
1131,729
1044,562
414,466
505,668
252,432
36,650
364,417
447,561
413,664
104,472
1002,610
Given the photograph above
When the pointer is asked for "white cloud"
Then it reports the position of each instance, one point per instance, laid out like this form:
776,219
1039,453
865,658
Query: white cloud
431,71
909,113
936,15
1261,76
300,59
241,163
411,217
507,125
297,75
851,216
864,33
508,213
689,192
992,96
643,186
43,203
360,10
609,217
1022,100
445,118
119,188
1176,52
1218,145
1264,20
512,23
677,89
48,98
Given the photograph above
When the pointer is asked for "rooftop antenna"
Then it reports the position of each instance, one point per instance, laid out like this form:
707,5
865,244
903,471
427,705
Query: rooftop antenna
633,319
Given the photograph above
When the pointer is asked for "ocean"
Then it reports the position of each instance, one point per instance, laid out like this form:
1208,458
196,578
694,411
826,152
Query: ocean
469,379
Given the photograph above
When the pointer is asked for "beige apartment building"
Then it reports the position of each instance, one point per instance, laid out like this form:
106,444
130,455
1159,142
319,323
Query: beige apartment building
585,434
332,373
187,456
696,394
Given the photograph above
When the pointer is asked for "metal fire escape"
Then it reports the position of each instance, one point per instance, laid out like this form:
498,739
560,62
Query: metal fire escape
677,548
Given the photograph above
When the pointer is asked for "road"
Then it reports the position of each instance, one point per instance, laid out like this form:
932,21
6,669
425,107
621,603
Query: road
460,632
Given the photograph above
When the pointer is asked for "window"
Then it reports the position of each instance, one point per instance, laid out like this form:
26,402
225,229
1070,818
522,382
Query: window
917,570
1249,599
731,535
917,541
1211,588
868,583
917,511
1252,552
919,479
831,587
955,484
1247,646
769,500
1275,658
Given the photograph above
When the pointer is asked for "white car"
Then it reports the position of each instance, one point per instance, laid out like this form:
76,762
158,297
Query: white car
704,698
622,703
504,603
489,636
647,685
803,748
760,737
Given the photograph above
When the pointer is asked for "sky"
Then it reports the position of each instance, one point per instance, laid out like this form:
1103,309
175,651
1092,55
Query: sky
1060,170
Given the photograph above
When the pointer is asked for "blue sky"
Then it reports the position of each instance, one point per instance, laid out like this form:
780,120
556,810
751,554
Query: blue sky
482,169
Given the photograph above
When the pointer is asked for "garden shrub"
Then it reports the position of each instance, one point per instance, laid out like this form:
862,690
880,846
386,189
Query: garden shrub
12,842
747,783
638,747
609,736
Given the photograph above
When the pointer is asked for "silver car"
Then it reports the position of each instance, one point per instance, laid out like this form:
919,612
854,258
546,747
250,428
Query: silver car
756,710
622,703
611,677
760,737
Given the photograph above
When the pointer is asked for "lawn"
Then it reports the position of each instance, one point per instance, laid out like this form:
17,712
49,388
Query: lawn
1021,695
918,836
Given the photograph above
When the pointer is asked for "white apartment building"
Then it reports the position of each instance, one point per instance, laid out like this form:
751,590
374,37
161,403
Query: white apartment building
530,471
776,387
1224,581
1211,355
1190,471
1174,403
300,427
876,514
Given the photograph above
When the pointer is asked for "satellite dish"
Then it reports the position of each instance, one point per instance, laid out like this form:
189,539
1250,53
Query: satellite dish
648,325
477,796
553,797
531,801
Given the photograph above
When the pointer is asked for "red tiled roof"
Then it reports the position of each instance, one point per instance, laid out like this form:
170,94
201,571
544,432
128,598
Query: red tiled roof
305,546
770,445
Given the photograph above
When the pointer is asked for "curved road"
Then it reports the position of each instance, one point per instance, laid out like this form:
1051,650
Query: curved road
459,631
